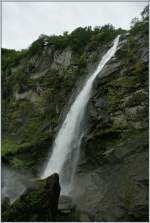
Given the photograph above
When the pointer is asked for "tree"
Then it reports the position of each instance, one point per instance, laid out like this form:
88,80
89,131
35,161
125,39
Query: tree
65,33
97,29
145,12
134,21
80,37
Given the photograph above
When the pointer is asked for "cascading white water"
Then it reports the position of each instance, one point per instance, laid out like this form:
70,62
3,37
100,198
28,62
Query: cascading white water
67,142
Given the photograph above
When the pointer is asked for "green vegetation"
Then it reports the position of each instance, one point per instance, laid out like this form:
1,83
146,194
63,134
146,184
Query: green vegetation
32,107
38,203
141,25
35,94
77,39
137,98
12,57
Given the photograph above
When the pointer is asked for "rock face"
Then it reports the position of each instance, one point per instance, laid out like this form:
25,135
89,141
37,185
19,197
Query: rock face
111,182
36,91
67,211
5,203
112,175
38,203
66,204
62,59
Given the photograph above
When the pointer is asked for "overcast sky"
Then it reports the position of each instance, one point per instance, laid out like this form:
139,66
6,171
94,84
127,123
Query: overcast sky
23,22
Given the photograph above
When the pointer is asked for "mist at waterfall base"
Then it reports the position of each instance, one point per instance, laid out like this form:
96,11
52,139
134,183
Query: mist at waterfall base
66,147
14,183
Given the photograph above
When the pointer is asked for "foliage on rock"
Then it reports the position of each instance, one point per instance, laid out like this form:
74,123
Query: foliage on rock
39,203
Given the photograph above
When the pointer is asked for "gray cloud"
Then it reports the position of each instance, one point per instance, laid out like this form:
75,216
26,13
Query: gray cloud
23,22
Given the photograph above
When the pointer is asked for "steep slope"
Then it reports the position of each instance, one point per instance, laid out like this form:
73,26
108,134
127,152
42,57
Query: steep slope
112,178
36,87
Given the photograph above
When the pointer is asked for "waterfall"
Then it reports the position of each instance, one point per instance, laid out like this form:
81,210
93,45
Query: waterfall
65,151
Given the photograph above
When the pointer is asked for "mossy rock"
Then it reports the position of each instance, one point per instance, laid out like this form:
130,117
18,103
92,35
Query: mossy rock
27,156
39,203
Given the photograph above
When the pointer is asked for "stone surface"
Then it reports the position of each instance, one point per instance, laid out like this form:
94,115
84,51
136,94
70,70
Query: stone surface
113,169
39,203
63,58
111,182
66,204
5,204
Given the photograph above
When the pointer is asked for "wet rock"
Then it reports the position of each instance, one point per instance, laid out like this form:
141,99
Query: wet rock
67,211
112,181
66,204
109,69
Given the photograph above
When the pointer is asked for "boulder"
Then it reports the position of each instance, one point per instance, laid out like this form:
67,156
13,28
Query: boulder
36,204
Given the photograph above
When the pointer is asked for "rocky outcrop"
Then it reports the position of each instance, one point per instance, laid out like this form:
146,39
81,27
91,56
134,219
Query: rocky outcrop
50,59
62,59
37,91
113,169
39,203
111,182
66,204
67,211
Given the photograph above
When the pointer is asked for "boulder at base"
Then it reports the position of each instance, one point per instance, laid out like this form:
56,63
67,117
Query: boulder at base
37,204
